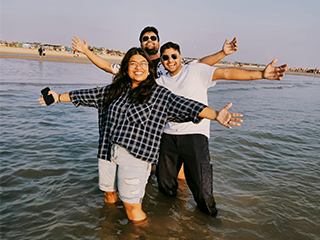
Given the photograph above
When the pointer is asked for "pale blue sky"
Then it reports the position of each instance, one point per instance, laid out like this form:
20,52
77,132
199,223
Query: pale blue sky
284,29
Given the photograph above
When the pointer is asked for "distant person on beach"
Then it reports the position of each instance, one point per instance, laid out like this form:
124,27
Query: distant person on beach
44,52
133,111
40,51
187,143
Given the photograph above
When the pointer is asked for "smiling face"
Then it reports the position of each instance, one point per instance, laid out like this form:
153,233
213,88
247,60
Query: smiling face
168,61
138,69
151,46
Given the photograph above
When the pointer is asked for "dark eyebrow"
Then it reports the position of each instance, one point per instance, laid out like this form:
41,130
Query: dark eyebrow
140,61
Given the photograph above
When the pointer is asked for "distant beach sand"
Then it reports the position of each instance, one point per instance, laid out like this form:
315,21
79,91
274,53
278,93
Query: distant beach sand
55,56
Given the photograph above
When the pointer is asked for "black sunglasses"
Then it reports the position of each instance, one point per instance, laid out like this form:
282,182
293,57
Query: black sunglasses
166,57
146,38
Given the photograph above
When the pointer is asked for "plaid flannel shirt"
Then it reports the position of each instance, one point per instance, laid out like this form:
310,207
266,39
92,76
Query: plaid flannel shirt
136,127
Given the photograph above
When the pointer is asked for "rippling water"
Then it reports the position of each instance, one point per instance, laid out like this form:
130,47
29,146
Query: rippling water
266,172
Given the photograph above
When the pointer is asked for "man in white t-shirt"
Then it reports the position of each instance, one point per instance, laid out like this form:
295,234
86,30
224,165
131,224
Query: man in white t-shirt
187,143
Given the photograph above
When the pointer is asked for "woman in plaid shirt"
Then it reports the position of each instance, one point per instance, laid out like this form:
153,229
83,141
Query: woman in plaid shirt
133,111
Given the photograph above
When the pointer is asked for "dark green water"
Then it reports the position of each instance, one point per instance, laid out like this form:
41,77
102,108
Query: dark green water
266,172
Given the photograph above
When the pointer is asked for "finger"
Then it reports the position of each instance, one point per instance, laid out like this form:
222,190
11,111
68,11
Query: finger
236,120
76,38
85,42
41,101
282,69
53,95
227,126
228,106
226,41
234,123
280,76
236,115
273,62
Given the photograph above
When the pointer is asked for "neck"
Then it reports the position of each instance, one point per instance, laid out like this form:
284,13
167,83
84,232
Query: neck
134,85
155,56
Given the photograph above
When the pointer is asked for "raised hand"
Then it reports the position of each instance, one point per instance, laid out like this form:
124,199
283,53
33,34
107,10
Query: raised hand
55,96
229,48
274,73
77,44
225,118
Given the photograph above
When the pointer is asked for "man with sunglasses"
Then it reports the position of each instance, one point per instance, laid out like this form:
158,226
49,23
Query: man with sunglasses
187,143
150,41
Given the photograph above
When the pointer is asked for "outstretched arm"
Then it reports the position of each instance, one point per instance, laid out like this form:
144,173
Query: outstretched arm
227,49
57,98
82,47
223,116
270,72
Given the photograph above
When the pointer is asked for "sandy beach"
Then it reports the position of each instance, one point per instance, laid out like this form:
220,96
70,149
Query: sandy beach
55,56
65,56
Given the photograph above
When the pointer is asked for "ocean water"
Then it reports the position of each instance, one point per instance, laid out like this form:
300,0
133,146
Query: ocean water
266,172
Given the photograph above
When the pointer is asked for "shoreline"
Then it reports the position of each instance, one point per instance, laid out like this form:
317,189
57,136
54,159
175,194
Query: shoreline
55,56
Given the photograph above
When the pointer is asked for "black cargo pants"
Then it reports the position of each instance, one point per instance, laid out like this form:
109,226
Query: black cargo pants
193,151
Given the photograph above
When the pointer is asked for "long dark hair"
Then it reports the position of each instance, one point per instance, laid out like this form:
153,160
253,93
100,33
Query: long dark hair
121,81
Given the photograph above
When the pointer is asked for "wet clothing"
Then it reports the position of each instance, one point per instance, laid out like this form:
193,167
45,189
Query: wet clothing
125,174
187,142
193,151
136,127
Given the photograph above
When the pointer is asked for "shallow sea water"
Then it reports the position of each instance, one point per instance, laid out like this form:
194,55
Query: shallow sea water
266,172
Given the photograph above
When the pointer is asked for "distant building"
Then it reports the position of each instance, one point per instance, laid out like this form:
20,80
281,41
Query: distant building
29,44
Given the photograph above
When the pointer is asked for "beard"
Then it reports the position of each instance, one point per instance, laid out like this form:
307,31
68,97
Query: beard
151,51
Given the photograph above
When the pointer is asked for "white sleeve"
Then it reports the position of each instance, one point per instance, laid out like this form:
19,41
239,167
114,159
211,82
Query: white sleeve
205,73
115,67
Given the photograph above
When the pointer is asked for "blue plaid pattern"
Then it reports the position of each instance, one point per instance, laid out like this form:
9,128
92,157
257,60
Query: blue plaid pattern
136,127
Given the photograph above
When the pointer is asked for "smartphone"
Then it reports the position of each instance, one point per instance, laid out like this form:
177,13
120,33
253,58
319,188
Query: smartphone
47,98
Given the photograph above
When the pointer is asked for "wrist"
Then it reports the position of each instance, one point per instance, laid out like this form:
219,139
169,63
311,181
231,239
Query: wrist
59,98
215,115
87,51
223,53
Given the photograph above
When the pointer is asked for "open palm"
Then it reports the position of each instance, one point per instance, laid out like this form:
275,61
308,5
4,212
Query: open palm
274,73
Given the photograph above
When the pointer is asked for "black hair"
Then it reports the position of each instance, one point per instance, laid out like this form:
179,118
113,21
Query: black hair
149,29
169,45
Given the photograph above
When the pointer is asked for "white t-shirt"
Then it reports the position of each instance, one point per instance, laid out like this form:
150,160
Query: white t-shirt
191,82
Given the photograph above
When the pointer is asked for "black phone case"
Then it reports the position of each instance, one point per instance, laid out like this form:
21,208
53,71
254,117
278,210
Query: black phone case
47,98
